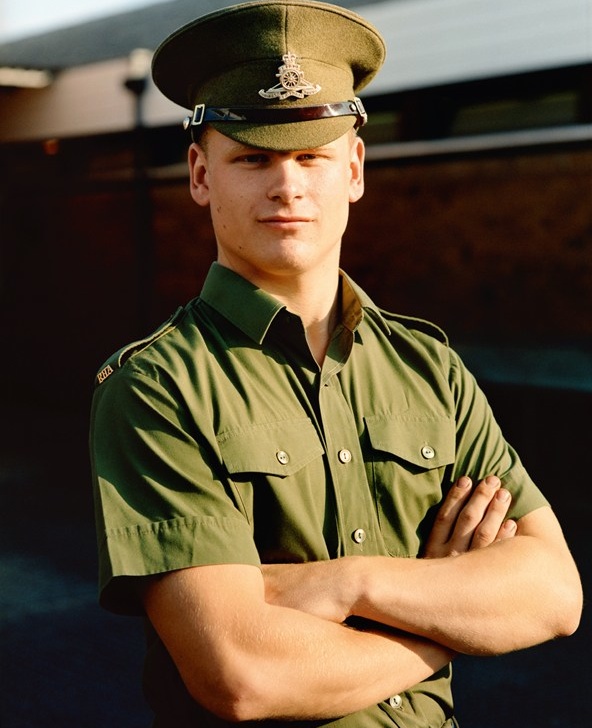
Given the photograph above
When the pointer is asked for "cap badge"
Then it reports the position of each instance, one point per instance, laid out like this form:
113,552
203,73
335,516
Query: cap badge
292,81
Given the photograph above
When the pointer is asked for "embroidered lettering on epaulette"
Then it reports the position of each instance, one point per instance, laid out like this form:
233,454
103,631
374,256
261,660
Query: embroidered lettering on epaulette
120,357
104,373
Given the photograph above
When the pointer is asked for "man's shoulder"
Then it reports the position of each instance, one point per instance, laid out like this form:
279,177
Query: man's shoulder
117,360
415,325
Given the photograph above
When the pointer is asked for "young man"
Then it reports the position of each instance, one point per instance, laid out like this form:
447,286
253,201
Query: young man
301,492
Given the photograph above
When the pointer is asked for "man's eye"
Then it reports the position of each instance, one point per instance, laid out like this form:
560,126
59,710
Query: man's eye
253,158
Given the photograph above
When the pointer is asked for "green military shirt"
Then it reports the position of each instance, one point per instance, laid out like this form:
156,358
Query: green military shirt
220,440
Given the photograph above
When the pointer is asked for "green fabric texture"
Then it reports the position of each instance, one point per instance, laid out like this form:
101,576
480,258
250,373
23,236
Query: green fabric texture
227,57
219,440
188,426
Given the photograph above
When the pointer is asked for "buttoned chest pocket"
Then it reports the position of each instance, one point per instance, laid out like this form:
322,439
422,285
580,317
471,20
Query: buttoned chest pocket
277,470
407,464
278,449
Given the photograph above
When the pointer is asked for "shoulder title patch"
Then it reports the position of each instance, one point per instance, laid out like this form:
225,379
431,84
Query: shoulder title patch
117,360
104,373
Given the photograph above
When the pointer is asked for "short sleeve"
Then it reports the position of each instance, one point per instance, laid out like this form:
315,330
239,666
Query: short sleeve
481,447
162,500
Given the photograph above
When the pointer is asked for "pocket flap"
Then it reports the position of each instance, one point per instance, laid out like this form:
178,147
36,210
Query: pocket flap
274,448
426,442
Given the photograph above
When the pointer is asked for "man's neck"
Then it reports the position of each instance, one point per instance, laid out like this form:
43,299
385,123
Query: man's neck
319,332
314,298
318,307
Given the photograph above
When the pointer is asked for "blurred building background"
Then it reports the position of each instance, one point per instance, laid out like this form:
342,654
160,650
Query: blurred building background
477,215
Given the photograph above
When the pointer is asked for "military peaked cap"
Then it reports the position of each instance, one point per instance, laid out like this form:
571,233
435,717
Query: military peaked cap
274,74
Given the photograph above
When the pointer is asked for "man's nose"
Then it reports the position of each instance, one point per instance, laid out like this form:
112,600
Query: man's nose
287,182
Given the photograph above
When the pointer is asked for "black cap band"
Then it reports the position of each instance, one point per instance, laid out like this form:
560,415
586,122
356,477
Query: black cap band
258,115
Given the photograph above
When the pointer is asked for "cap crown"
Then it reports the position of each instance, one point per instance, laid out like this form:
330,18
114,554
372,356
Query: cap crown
271,54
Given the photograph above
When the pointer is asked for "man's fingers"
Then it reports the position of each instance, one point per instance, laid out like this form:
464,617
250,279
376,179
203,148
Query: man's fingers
488,530
446,518
508,530
472,514
471,518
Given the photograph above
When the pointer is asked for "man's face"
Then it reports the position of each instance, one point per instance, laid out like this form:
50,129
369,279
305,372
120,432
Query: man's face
277,213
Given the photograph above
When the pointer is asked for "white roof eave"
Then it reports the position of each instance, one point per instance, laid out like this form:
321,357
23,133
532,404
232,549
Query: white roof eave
435,42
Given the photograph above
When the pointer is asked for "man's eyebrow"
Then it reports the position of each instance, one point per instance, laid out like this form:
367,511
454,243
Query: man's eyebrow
238,147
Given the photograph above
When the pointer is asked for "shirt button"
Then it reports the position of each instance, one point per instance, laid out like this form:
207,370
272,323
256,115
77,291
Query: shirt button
344,456
395,702
282,457
359,535
427,452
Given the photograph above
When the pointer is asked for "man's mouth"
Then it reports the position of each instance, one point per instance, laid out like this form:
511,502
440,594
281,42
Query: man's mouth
284,219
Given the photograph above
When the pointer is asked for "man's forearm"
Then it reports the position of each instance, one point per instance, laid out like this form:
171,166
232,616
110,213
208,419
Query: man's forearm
480,589
511,595
244,659
337,671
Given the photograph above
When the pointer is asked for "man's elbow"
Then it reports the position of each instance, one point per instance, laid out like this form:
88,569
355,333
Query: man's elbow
240,706
558,614
235,698
233,707
568,612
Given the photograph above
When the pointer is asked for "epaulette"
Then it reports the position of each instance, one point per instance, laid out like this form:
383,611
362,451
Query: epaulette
117,360
417,324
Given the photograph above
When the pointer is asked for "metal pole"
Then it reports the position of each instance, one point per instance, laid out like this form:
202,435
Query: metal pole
136,83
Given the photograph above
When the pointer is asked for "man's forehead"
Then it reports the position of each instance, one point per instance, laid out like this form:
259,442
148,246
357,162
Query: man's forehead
213,136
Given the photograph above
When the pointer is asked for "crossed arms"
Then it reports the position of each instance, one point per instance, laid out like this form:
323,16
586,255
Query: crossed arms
273,643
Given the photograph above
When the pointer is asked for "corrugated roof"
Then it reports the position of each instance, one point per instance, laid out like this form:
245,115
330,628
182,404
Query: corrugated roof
111,37
104,38
429,42
434,42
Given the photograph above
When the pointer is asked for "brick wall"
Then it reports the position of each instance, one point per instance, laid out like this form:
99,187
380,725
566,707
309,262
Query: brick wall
494,248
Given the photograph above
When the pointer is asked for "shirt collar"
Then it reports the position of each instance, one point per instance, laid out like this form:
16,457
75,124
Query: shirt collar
355,303
247,307
252,310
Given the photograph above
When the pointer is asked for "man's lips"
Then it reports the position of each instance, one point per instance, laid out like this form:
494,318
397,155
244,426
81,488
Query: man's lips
284,219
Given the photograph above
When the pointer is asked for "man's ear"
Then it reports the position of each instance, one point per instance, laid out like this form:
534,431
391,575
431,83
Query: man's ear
356,184
198,175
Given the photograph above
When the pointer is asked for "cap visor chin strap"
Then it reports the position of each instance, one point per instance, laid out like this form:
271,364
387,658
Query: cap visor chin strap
257,115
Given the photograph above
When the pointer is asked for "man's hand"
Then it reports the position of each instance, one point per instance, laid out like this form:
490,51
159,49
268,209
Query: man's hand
481,601
470,518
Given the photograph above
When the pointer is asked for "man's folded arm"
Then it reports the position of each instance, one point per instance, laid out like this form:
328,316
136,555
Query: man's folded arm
515,593
244,659
512,594
486,586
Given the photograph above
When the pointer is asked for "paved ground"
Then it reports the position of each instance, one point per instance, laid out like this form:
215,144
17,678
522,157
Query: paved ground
65,663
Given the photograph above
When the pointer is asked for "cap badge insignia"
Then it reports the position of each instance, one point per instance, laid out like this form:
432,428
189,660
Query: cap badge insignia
292,81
